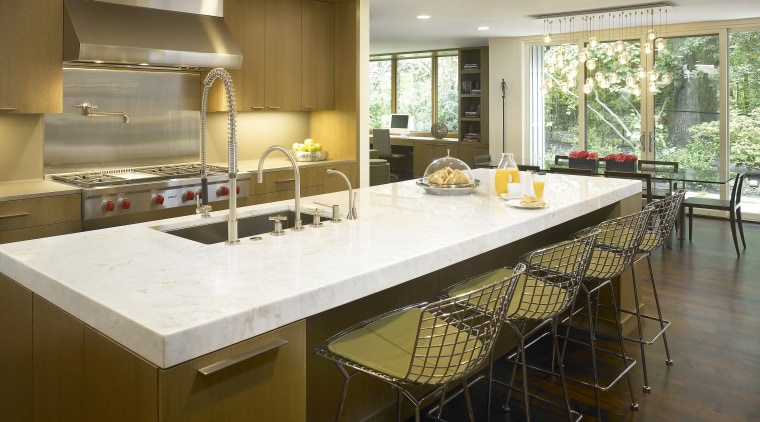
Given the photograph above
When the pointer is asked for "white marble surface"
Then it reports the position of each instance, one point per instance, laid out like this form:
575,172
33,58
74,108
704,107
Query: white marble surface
170,300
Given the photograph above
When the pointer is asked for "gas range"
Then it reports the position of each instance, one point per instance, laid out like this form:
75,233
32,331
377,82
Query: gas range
122,196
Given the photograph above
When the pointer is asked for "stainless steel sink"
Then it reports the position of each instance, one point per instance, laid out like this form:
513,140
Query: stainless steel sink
247,226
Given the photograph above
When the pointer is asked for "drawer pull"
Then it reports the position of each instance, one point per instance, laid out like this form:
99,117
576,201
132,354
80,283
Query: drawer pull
216,367
21,214
285,181
257,108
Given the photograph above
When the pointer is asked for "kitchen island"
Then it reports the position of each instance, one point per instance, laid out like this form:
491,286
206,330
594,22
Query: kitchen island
166,303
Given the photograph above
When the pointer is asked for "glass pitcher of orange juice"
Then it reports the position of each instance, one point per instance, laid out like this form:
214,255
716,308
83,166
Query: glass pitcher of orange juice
506,172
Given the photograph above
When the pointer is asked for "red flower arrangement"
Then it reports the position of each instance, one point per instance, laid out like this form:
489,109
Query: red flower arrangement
621,157
584,155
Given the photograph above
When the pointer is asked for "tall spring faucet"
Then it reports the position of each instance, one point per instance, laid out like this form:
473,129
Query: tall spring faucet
351,197
297,226
232,223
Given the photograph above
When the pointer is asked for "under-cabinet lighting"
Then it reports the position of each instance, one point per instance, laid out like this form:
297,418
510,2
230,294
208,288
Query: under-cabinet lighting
423,17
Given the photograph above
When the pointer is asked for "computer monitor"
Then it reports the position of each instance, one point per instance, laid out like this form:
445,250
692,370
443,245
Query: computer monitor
400,124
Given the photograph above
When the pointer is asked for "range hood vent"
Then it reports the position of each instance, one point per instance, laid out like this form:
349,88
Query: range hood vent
110,33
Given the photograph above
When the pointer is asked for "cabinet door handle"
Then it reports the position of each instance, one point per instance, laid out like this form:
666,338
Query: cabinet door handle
258,108
273,107
285,181
21,214
221,365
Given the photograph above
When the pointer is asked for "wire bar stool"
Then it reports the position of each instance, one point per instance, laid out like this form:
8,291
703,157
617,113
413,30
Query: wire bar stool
540,297
427,345
660,227
614,250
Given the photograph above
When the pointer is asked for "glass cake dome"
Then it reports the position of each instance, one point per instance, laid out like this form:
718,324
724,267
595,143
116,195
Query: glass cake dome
449,172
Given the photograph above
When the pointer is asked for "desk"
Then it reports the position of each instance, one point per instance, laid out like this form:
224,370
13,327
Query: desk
425,149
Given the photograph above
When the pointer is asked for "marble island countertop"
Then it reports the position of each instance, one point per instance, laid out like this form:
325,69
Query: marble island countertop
170,300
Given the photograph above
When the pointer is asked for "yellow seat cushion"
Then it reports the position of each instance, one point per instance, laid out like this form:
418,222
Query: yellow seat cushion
532,299
605,264
388,346
650,242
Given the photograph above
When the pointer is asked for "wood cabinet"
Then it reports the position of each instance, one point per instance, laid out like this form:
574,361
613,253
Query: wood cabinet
425,152
288,55
473,94
58,368
31,75
318,55
280,185
25,219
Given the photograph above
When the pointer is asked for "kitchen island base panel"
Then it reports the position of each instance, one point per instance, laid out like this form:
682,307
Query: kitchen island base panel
372,400
58,368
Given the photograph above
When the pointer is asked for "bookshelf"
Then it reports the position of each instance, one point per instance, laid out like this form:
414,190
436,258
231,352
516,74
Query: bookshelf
473,95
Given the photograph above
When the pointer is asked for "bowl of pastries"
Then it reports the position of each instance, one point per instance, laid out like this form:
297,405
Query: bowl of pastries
448,176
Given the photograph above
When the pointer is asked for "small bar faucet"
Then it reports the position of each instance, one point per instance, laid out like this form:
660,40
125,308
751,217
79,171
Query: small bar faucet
297,224
351,215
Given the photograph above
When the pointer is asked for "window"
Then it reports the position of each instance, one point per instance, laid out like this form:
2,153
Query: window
423,85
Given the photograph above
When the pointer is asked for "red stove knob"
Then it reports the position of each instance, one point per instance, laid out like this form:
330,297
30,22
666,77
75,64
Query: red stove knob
237,189
188,196
158,199
108,206
125,203
223,191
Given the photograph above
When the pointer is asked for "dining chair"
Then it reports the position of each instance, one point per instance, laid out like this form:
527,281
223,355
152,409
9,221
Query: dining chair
660,189
732,206
646,180
481,161
526,167
540,297
428,345
568,170
381,141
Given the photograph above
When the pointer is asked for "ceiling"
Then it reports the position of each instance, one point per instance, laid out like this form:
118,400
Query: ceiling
394,26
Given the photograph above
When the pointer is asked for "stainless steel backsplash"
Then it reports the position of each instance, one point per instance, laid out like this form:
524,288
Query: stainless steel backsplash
164,120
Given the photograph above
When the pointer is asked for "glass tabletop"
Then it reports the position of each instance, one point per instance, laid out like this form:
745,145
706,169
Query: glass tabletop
689,175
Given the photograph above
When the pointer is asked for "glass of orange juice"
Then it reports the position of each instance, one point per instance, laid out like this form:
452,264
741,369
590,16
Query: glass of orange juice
539,183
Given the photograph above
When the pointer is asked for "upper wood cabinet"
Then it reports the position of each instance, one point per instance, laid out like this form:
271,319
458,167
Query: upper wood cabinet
31,70
318,55
288,55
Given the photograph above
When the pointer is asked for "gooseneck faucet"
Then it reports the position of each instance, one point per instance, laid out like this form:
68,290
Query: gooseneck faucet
297,226
351,215
232,224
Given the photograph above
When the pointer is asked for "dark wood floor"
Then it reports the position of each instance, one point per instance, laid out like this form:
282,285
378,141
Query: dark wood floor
713,301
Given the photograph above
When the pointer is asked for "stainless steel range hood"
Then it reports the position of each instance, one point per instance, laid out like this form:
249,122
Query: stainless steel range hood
106,32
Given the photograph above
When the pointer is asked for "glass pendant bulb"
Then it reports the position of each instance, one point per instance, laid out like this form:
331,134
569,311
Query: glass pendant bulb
599,76
614,78
630,82
624,58
652,86
587,88
652,75
547,38
591,64
563,87
647,46
583,55
651,34
590,82
571,83
635,90
641,72
619,46
609,49
572,73
593,41
660,44
666,78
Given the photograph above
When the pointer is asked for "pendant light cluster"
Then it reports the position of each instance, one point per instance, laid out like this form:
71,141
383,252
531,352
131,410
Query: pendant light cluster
618,25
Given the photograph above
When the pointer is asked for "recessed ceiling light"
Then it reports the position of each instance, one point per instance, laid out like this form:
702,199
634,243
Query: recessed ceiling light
423,16
483,28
